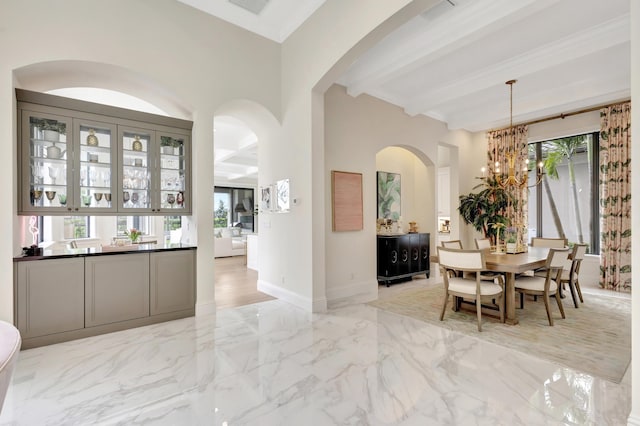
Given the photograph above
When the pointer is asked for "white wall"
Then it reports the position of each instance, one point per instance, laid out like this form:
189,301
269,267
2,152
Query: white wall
356,129
164,52
312,58
634,418
416,189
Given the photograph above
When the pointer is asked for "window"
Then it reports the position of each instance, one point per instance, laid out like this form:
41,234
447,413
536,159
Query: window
233,207
76,227
566,202
124,223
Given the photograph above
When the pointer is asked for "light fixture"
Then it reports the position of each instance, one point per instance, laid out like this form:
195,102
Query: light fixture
510,179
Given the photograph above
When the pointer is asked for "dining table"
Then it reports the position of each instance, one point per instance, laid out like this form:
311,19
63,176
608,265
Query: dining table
510,265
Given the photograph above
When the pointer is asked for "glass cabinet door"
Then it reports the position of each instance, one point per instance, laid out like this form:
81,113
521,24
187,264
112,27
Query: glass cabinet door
173,173
96,158
46,152
135,166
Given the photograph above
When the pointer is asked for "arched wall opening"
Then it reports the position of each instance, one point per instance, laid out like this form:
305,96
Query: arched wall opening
267,129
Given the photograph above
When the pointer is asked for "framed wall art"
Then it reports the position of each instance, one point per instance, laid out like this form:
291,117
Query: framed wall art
265,199
388,195
282,196
346,201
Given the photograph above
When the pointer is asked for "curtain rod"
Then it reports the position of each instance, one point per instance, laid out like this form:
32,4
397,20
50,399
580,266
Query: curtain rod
563,115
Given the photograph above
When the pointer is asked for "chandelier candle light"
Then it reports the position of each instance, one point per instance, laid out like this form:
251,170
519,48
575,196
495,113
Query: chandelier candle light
510,180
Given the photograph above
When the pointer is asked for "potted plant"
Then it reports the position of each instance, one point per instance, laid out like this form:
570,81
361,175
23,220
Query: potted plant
52,129
511,240
486,208
168,145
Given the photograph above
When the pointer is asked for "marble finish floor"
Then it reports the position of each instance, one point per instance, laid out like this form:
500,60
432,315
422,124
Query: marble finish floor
271,363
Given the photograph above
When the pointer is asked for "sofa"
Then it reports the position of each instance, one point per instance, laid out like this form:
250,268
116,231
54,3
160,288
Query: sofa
229,242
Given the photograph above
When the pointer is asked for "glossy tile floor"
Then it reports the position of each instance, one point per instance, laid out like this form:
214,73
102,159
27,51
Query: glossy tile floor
273,364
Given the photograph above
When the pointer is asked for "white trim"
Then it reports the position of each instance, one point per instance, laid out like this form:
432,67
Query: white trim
633,420
205,308
286,295
361,292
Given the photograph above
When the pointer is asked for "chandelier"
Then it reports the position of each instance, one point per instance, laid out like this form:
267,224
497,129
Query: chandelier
510,179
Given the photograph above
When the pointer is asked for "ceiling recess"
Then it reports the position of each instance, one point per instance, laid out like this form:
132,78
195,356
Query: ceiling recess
253,6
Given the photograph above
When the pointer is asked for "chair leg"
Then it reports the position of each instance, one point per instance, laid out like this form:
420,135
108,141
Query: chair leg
577,283
572,287
444,305
501,307
560,306
521,300
546,305
479,312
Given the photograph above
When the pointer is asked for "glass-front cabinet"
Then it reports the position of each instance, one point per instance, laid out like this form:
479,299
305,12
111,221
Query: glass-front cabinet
154,170
96,156
173,173
46,165
66,164
81,162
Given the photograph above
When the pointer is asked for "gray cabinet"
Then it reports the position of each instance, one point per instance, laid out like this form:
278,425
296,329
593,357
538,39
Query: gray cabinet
70,298
84,158
173,283
49,296
116,288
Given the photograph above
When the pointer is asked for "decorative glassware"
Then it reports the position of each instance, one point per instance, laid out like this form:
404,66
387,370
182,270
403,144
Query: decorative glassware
51,195
36,194
171,199
97,196
86,200
107,196
125,197
53,174
63,199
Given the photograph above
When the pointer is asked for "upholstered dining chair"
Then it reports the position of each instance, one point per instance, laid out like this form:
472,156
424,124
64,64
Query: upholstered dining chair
548,242
454,244
570,274
483,243
548,285
469,288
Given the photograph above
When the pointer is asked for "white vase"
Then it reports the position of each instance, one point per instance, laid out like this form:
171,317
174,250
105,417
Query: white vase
511,247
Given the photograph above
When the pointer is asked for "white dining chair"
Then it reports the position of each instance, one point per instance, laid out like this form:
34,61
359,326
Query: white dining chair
548,285
469,288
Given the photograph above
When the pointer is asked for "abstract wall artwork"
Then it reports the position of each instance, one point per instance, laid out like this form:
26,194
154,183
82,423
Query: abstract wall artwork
346,201
388,195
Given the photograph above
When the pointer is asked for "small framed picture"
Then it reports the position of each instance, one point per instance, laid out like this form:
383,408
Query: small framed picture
282,196
265,199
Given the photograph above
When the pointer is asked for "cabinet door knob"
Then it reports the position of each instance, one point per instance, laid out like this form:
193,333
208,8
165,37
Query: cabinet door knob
69,208
76,209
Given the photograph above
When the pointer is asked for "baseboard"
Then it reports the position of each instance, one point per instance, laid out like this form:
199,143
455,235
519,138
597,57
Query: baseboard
343,294
286,295
205,308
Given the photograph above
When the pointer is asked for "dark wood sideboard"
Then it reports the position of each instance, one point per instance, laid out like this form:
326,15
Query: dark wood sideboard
400,257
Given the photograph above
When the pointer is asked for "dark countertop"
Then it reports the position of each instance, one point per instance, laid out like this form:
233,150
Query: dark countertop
105,251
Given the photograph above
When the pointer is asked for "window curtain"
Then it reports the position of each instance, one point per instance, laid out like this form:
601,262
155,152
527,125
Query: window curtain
500,143
615,197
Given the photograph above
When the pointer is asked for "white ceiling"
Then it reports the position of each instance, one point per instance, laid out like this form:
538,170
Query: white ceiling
451,62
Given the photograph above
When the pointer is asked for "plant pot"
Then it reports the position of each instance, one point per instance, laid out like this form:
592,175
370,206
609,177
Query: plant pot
51,135
512,247
167,150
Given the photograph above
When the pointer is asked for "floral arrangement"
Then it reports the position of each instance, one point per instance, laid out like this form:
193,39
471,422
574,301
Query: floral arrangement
133,234
511,235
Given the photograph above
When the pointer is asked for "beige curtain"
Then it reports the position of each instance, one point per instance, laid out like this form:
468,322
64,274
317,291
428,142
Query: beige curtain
500,143
615,197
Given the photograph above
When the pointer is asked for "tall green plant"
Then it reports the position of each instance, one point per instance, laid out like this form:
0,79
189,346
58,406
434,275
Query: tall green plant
486,207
